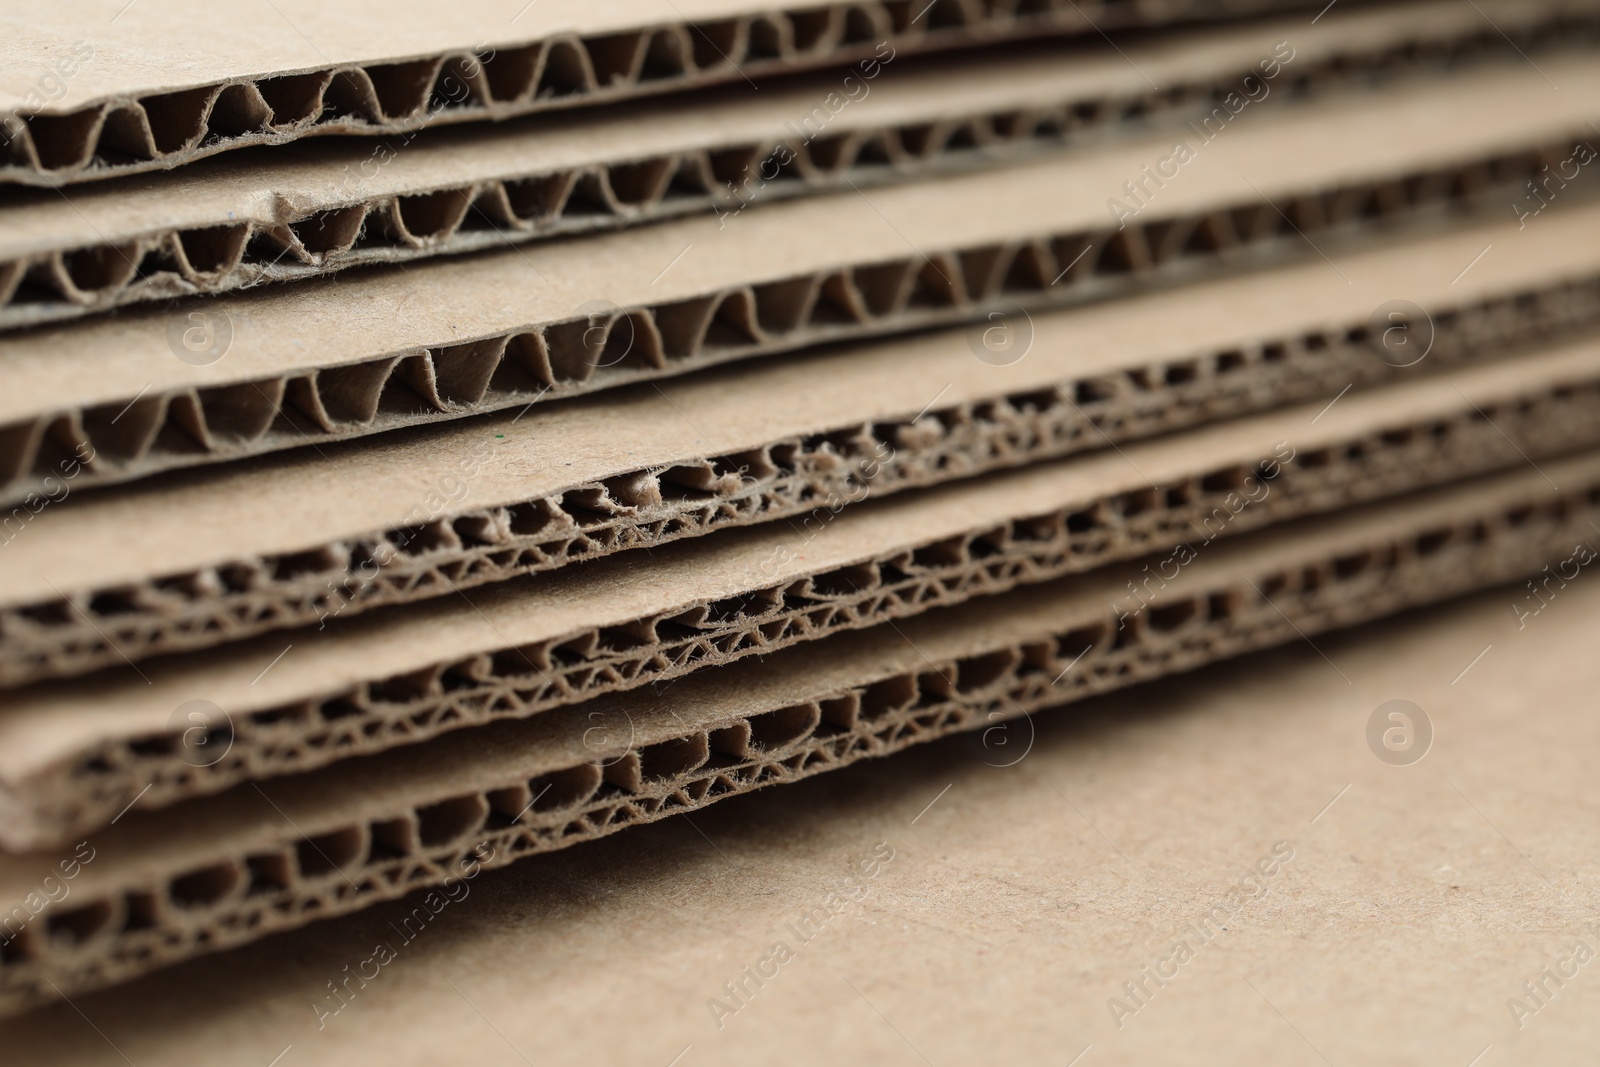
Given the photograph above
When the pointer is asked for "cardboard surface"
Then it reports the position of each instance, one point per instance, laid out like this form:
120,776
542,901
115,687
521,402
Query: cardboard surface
243,874
149,38
398,66
282,369
314,176
283,542
239,220
266,857
73,756
273,506
1019,899
283,330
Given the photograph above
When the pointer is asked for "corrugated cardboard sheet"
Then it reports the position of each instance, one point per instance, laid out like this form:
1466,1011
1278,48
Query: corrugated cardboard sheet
74,756
338,530
297,212
99,88
253,861
953,900
278,366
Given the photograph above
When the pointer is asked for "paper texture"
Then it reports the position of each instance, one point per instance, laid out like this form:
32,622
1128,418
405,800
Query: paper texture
320,361
1017,899
118,83
311,209
337,531
1060,396
250,862
73,756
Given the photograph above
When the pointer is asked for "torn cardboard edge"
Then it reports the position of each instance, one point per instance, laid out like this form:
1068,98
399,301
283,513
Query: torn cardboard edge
291,214
73,756
479,502
317,361
202,877
141,107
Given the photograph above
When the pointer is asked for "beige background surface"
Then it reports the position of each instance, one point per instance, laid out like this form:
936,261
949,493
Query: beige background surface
1019,899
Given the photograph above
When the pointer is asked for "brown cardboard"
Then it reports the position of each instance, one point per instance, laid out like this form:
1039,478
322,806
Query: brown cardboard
342,357
99,88
1018,898
295,213
288,541
252,862
72,756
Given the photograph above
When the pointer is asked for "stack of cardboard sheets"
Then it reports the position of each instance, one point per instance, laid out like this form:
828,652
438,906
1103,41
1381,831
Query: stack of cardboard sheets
430,437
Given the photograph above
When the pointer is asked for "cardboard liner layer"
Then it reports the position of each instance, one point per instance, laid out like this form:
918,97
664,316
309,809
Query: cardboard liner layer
275,368
133,130
165,885
443,511
73,756
236,222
